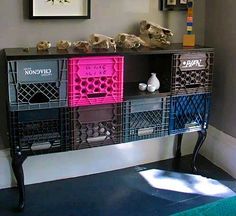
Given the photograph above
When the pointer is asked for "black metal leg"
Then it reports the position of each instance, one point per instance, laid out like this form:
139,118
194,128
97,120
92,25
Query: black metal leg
178,147
178,142
17,162
201,138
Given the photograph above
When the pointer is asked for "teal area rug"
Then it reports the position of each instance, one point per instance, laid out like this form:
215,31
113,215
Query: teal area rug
223,207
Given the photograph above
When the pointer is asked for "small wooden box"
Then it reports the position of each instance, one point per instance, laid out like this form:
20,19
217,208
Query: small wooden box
189,40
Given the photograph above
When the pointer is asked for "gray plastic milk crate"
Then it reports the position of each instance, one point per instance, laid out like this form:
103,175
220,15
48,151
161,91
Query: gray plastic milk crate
37,84
97,125
35,132
145,118
192,73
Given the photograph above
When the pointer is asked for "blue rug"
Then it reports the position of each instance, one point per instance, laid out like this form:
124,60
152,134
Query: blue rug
223,207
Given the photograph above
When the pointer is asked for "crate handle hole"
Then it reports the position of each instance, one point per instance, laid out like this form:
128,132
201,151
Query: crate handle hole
145,131
96,139
41,146
96,95
193,86
39,97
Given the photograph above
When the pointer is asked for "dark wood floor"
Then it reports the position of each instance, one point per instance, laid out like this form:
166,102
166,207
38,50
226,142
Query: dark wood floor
117,193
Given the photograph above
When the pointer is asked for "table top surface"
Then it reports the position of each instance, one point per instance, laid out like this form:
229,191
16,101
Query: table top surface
32,53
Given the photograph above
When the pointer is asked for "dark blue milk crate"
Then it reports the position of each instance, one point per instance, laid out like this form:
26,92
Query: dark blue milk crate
40,131
145,118
94,126
37,84
192,73
189,113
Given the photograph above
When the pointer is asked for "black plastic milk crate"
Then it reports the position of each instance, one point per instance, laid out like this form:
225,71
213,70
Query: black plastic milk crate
95,126
37,84
145,118
189,113
192,73
40,131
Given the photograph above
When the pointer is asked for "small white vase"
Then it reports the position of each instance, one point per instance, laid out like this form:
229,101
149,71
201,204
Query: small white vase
154,81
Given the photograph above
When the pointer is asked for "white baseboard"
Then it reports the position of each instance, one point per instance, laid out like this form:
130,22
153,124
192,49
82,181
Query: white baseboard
220,149
57,166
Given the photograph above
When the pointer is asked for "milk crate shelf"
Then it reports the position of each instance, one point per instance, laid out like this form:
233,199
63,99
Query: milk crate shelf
145,119
189,113
95,80
97,125
192,73
37,84
40,131
62,100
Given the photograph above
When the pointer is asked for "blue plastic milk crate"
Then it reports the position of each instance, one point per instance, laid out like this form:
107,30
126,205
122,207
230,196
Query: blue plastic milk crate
189,113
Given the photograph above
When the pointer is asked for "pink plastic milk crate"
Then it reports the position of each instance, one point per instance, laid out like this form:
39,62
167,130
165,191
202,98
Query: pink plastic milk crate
95,80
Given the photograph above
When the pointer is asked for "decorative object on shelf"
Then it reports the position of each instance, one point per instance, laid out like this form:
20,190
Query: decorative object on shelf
154,35
142,86
43,45
189,39
99,41
59,9
153,81
63,44
128,41
82,45
26,49
151,88
173,5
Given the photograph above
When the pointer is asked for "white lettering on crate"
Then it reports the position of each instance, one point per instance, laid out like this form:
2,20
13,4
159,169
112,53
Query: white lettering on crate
42,72
192,63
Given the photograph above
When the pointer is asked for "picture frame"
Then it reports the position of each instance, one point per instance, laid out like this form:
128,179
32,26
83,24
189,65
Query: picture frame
59,9
183,1
173,5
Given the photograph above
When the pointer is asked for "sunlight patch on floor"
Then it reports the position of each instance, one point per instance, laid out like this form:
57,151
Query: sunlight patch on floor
185,183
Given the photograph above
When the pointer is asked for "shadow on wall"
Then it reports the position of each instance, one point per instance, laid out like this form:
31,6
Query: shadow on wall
26,9
3,96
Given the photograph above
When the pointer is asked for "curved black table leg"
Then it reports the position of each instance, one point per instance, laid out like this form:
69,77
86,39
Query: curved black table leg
17,162
178,147
201,138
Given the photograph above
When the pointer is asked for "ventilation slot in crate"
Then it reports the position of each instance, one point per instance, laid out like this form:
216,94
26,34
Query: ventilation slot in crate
95,80
192,73
95,126
189,113
37,84
40,131
145,119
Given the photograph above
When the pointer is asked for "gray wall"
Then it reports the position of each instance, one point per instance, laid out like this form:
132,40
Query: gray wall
221,34
108,17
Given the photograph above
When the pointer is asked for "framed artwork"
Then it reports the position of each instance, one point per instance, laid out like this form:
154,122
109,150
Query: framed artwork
59,9
168,5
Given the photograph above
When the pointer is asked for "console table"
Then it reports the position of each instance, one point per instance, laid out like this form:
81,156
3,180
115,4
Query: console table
40,120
